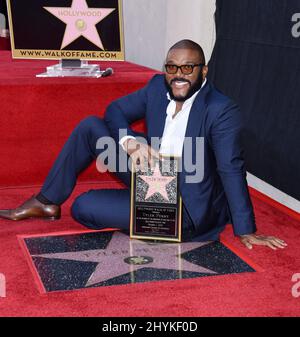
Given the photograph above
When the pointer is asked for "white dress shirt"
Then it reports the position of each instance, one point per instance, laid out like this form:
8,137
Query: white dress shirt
175,128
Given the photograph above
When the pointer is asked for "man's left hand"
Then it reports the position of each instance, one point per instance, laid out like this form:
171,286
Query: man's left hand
252,239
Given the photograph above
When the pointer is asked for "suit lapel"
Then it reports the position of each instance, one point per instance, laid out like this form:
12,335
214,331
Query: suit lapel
197,113
157,117
194,124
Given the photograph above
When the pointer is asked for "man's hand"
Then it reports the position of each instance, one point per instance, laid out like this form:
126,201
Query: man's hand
252,239
141,154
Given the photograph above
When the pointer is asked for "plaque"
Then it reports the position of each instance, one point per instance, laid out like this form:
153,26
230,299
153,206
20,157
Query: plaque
66,29
156,205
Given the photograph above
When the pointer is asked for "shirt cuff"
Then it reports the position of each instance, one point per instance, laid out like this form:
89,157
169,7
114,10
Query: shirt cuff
123,139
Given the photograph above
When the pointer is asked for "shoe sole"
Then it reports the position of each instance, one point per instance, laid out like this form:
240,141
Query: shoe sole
51,218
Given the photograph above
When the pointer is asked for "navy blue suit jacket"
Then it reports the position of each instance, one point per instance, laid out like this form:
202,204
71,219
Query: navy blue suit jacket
222,196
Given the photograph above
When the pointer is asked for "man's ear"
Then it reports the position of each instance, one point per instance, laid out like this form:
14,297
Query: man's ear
204,71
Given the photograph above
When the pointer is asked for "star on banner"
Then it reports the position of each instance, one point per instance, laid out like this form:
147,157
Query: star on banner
81,20
157,183
123,256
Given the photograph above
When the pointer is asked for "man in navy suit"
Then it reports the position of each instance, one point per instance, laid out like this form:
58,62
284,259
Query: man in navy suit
177,106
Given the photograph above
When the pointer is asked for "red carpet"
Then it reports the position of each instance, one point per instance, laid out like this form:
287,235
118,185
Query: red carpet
47,110
36,117
266,293
4,43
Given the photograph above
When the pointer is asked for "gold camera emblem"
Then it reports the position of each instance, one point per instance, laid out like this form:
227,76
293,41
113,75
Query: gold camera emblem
80,24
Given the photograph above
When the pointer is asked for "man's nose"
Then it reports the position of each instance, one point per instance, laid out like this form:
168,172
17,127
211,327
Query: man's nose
179,72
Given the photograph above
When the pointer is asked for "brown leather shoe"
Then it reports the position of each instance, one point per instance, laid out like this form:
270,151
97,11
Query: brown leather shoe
32,208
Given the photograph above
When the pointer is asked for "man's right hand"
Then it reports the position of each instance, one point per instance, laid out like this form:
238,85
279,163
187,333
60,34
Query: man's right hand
142,155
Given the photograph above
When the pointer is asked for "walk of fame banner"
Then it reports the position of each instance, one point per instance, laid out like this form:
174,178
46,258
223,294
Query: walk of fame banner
66,29
156,205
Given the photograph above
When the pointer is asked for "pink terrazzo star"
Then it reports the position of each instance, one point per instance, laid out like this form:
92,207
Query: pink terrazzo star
112,260
157,183
81,21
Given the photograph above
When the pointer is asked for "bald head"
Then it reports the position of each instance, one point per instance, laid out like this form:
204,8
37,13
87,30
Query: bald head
189,44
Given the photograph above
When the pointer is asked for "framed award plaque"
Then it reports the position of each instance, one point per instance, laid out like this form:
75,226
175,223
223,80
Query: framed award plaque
156,205
66,29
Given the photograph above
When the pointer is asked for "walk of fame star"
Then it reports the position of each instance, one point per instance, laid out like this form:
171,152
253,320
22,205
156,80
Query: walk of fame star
113,260
81,20
157,183
67,261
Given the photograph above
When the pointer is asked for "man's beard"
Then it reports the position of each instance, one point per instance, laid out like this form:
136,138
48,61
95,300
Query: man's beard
193,88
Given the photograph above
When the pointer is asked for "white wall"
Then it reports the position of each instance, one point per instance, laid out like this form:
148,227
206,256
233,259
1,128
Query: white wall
151,27
191,19
2,23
